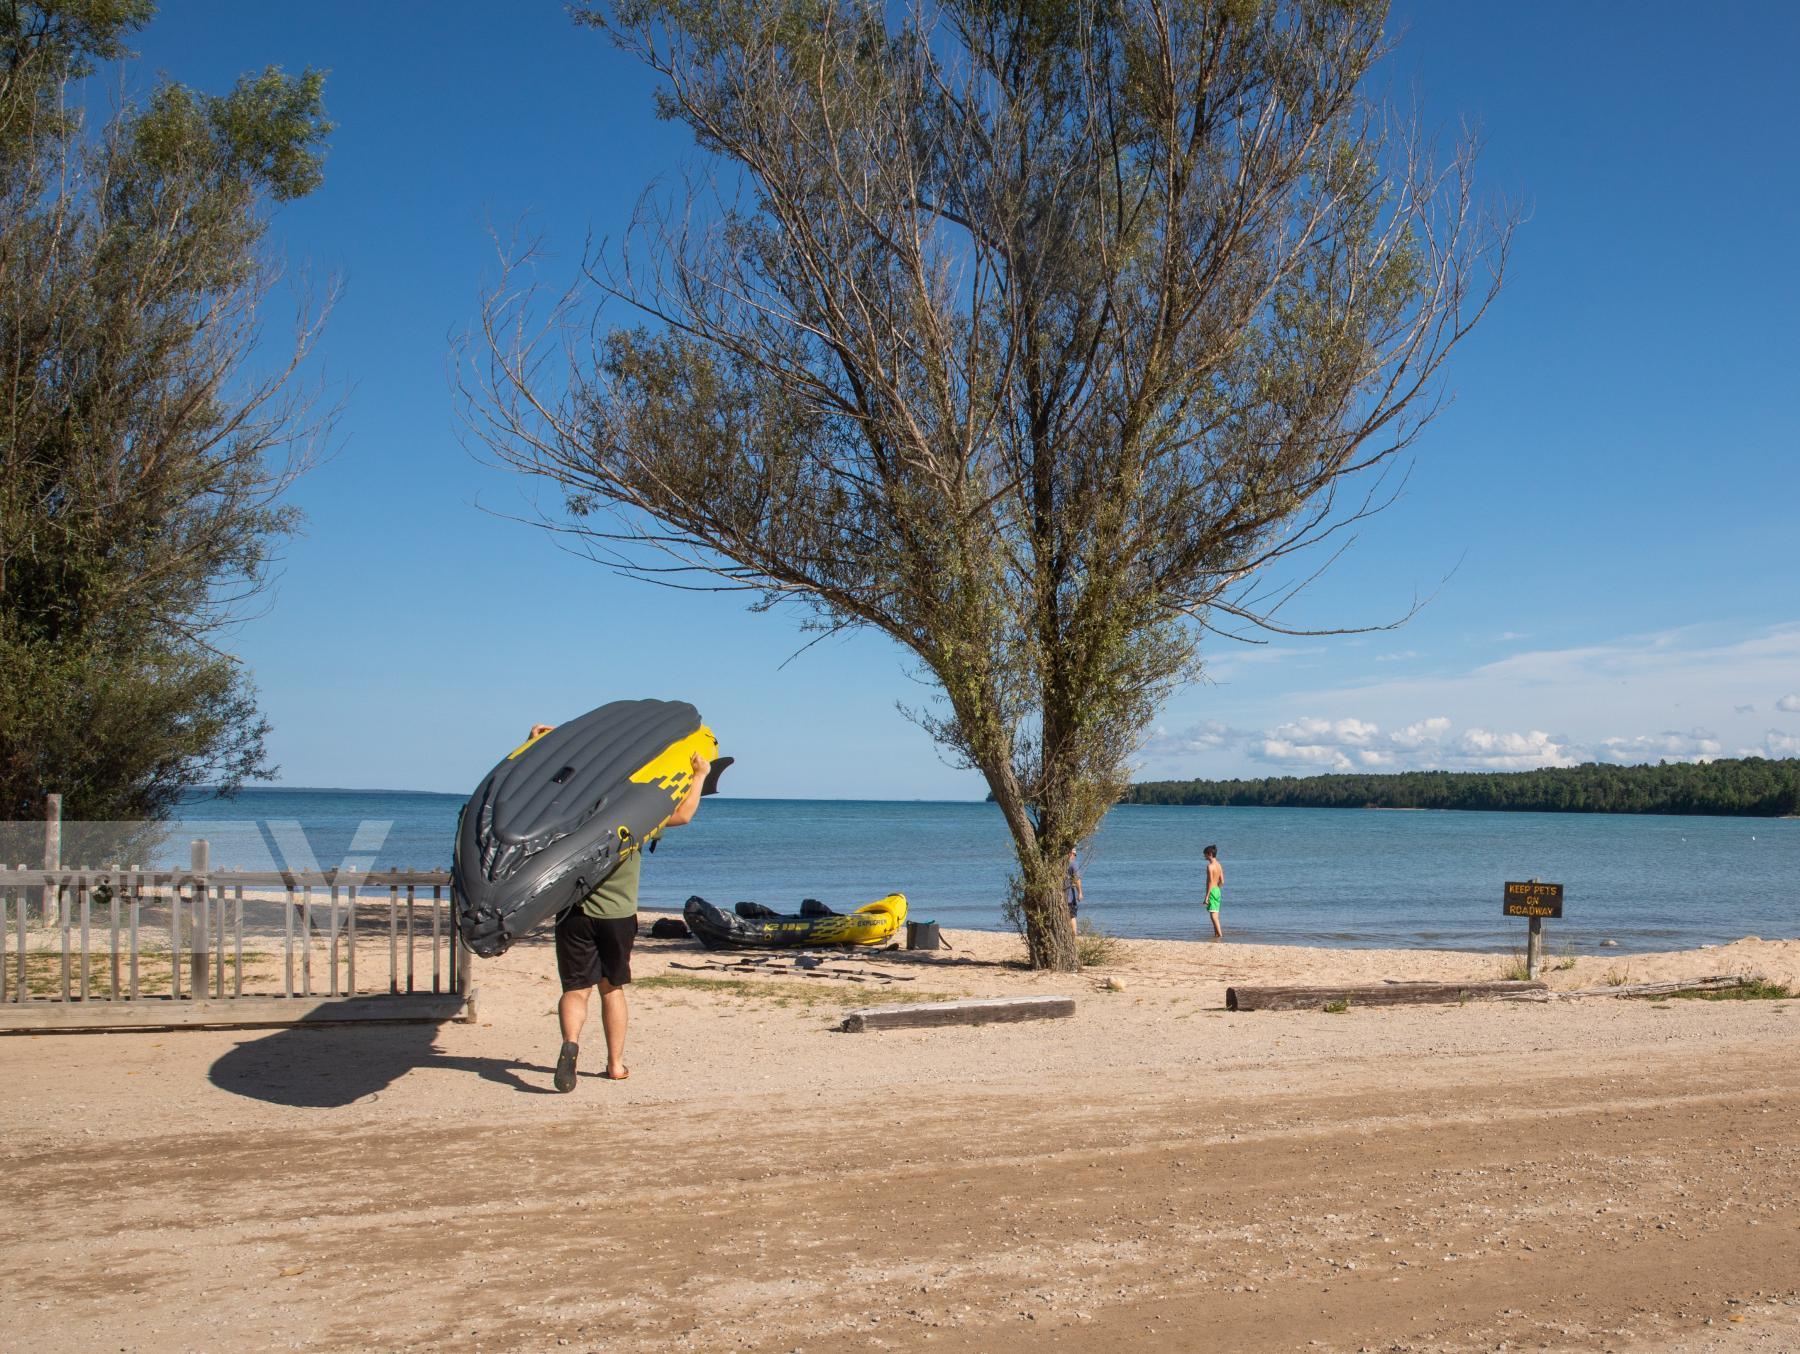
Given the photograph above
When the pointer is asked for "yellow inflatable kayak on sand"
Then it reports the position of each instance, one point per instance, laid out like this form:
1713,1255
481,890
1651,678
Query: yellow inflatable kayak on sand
755,927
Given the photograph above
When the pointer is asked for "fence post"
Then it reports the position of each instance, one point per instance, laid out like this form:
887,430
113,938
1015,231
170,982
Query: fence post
52,857
199,863
465,962
1534,945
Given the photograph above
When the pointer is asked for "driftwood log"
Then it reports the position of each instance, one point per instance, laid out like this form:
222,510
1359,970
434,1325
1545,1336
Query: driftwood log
1717,983
980,1011
1418,994
1378,994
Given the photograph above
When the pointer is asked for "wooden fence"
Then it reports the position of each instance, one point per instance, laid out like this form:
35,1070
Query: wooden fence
135,948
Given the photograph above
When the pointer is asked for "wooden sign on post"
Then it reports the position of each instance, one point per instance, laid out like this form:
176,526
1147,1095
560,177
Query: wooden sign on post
1533,899
1536,900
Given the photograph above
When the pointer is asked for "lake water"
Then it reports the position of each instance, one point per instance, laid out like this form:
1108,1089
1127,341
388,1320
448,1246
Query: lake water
1293,876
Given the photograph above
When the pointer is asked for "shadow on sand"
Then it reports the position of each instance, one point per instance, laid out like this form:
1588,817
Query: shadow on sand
330,1066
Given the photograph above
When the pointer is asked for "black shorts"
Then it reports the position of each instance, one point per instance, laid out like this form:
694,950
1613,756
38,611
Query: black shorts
591,948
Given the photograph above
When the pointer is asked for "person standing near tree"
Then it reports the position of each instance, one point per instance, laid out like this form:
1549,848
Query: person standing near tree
1072,884
1215,885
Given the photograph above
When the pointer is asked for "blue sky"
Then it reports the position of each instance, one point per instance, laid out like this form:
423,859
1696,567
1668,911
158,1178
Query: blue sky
1604,518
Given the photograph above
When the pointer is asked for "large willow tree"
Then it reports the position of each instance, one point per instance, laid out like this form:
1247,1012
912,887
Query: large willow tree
144,438
1027,333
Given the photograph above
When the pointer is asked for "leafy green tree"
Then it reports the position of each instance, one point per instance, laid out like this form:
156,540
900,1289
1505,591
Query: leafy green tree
144,439
1026,333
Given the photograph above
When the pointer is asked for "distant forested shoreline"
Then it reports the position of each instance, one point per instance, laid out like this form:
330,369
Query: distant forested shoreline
1752,787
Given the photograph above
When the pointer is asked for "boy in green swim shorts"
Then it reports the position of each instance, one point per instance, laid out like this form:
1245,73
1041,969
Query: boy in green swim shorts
1215,883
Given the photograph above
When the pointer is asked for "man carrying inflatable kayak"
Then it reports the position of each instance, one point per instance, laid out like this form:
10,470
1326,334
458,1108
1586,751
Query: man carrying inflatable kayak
594,939
558,829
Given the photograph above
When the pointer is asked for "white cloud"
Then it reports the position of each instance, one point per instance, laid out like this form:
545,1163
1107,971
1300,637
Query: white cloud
1675,657
1208,736
1425,733
1355,744
1329,732
1697,745
1350,744
1400,657
1775,744
1334,744
1789,704
1232,660
1625,700
1313,744
1623,687
1483,749
1301,754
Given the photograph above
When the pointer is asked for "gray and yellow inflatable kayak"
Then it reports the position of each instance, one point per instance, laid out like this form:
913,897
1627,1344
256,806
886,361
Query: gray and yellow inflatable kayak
754,927
562,811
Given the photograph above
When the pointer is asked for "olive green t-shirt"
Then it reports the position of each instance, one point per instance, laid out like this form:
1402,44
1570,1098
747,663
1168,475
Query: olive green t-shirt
617,894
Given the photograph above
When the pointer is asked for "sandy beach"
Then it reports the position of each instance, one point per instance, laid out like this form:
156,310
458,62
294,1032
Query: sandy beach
1155,1173
1316,468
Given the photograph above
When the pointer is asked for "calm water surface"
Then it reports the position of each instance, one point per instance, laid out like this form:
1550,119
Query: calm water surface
1293,876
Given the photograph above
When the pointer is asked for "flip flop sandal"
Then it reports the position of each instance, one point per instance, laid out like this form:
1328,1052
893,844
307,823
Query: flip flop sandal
565,1067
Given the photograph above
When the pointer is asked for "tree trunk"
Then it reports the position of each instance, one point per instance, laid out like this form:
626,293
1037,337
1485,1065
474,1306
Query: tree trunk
1050,932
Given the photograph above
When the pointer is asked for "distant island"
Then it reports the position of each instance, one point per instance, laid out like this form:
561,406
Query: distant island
1751,787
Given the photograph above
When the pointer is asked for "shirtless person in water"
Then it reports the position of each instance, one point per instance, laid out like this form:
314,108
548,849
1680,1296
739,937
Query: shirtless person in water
1215,884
